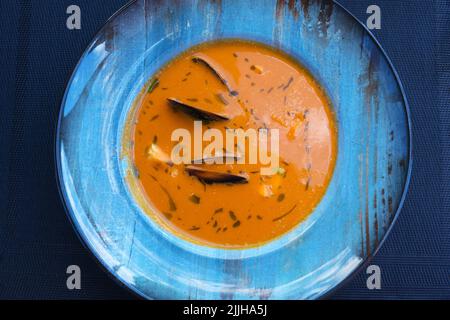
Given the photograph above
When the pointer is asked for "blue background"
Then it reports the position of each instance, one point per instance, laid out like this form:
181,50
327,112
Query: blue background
37,242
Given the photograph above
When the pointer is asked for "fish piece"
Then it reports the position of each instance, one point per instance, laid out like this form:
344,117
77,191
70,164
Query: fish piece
155,152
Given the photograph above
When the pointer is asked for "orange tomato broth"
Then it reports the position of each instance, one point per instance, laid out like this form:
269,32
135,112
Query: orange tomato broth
272,91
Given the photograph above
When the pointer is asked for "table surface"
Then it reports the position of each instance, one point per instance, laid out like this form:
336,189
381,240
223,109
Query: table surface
37,242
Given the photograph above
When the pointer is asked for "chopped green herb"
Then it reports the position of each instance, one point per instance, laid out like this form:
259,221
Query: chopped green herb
281,171
153,85
232,215
195,199
236,224
172,204
307,183
284,215
291,79
281,197
154,117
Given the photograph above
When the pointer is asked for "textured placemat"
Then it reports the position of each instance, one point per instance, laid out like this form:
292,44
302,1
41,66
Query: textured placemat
37,242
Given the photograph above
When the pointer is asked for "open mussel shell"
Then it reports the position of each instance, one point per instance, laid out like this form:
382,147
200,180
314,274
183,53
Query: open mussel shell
196,112
218,158
216,69
209,176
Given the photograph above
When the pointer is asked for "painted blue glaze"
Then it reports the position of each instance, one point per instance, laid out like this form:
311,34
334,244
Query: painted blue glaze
347,226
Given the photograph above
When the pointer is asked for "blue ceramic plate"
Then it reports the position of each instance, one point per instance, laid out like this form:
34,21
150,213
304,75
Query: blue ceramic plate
366,190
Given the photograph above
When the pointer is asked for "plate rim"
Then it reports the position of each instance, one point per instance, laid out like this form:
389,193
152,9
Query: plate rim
124,283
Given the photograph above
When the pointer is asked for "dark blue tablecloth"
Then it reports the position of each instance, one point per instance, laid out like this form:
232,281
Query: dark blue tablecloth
37,242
